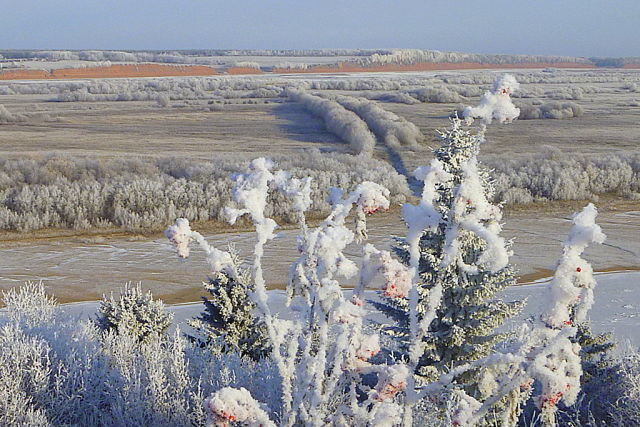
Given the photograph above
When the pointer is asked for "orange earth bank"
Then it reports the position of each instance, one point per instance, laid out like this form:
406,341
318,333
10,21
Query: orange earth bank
164,70
112,71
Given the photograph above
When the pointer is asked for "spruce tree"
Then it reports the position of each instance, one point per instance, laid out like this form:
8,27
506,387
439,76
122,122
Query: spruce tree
470,312
228,323
595,350
133,312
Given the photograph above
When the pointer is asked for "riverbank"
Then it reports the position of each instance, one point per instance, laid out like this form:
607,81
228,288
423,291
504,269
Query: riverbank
83,268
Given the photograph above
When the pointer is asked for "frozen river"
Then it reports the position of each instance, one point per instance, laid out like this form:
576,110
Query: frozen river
77,270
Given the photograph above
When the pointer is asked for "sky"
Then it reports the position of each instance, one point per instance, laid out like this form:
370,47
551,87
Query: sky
548,27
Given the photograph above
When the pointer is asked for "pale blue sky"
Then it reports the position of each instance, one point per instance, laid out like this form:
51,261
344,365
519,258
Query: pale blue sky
559,27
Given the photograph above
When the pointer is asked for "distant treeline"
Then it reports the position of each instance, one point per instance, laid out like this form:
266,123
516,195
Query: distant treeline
365,57
443,88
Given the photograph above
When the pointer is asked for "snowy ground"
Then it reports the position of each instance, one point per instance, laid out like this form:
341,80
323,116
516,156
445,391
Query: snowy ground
85,268
617,306
186,128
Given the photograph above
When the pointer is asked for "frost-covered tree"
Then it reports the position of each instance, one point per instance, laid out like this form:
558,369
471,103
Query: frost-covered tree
228,322
133,312
595,350
460,262
464,255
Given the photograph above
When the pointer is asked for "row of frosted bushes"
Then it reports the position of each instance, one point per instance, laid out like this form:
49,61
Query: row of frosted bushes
134,194
554,175
226,87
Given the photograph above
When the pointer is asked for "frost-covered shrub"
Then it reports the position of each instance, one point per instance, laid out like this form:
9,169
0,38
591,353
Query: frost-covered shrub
8,117
570,93
437,95
82,193
554,175
394,130
322,353
133,312
397,97
163,100
29,304
551,110
626,409
25,370
65,371
338,120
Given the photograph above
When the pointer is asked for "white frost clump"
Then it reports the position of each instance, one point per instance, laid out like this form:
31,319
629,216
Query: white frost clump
397,277
369,347
231,405
299,190
372,197
496,104
388,414
424,215
369,198
181,235
573,282
392,379
251,191
466,408
473,212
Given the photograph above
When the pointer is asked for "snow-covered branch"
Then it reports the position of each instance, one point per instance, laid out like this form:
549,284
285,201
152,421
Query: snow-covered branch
230,405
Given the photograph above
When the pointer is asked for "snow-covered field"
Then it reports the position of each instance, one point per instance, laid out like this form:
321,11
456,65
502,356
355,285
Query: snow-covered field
189,128
616,308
